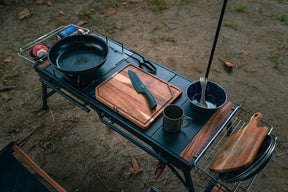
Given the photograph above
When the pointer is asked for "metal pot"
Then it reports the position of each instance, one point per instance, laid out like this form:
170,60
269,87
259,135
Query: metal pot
215,96
78,54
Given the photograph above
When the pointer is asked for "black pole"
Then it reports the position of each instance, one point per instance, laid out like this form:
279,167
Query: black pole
216,37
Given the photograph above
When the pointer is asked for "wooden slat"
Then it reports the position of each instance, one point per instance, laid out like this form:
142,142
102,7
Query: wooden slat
44,64
206,132
36,168
218,188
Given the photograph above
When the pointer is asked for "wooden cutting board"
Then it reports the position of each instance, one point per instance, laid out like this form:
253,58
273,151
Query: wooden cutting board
240,148
118,93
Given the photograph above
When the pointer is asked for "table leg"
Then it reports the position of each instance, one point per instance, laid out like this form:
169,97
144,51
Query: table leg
44,96
187,181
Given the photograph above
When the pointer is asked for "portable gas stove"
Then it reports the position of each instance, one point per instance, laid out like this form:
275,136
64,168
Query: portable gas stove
190,149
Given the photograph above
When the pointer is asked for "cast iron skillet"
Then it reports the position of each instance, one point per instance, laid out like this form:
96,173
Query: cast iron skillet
78,54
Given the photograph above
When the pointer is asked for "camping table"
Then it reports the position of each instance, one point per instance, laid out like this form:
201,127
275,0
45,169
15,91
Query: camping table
181,152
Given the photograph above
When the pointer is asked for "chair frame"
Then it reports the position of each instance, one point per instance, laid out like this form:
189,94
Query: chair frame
13,147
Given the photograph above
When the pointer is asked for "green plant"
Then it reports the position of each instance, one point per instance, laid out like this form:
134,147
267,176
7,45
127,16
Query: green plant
273,55
169,38
276,63
283,45
243,102
102,5
242,9
259,9
180,2
15,49
167,28
108,29
60,22
113,3
37,105
105,28
157,5
275,59
56,144
8,106
4,79
282,18
231,25
85,12
228,56
283,1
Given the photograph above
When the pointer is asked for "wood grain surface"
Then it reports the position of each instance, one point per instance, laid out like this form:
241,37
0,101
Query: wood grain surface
118,93
240,148
44,64
206,132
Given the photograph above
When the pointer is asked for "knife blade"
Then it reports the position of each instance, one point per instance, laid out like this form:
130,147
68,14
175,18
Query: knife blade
140,88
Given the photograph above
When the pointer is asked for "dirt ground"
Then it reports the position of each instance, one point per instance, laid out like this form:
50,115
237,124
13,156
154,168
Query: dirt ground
84,155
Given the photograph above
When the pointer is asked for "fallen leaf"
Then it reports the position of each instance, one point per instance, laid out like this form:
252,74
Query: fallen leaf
50,3
279,154
245,52
128,173
135,166
24,13
229,64
111,11
14,131
4,96
80,23
7,60
38,2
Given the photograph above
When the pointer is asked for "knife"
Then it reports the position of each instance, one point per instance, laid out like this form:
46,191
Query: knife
140,88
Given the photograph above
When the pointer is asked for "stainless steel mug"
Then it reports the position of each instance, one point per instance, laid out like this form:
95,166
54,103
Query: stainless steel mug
173,116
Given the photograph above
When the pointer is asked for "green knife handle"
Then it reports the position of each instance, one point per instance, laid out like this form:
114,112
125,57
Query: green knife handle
150,99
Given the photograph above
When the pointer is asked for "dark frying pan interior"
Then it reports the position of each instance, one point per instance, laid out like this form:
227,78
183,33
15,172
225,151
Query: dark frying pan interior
78,54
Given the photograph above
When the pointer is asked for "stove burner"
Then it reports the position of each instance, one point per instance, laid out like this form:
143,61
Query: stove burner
80,81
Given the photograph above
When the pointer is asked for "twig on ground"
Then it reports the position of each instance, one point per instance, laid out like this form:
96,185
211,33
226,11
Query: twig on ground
2,37
99,177
21,142
7,88
52,115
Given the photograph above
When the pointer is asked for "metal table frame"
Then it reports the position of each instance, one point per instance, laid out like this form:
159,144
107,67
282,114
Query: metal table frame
115,121
110,118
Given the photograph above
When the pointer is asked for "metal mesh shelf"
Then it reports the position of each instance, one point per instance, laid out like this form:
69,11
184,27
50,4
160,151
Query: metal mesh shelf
237,121
47,39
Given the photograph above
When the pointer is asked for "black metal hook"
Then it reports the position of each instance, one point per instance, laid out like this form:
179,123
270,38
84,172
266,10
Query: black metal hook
145,64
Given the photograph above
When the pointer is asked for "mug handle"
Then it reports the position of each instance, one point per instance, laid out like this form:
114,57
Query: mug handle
190,121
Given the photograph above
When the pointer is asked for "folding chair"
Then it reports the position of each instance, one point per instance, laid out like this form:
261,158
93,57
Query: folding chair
14,177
